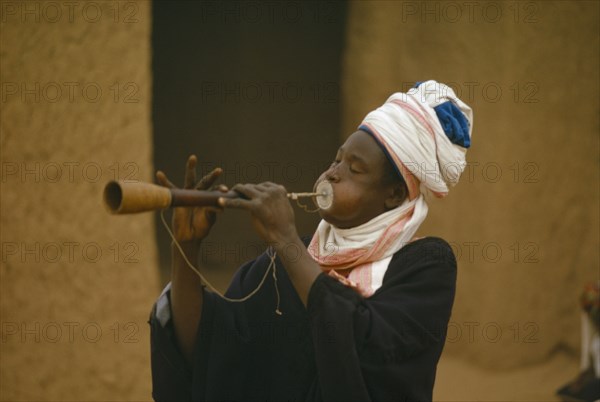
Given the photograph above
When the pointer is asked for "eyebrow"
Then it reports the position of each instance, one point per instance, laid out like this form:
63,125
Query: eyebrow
354,156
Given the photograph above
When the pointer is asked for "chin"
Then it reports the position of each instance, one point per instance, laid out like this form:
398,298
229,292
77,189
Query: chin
324,215
327,217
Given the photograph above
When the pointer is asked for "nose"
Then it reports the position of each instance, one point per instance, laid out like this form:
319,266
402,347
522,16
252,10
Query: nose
332,174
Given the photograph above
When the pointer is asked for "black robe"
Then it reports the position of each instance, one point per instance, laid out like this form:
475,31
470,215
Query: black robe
341,347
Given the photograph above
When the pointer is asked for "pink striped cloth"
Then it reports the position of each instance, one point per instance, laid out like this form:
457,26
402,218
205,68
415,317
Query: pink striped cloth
408,128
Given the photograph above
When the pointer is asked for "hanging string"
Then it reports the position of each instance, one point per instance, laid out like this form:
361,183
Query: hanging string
277,311
270,252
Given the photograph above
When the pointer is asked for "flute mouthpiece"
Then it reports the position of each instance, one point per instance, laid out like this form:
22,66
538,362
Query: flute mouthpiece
324,199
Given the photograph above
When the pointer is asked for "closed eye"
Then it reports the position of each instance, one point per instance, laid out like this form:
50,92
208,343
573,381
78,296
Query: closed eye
350,168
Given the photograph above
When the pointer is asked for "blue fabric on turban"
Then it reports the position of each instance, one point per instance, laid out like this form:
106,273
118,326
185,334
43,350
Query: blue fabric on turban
453,121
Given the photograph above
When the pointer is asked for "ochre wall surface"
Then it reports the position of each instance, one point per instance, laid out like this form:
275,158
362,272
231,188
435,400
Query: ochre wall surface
76,284
524,218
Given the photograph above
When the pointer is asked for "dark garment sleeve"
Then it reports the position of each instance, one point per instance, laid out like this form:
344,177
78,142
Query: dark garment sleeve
171,376
243,351
386,347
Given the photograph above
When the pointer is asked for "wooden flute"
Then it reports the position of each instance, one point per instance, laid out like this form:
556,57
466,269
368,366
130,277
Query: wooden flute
124,197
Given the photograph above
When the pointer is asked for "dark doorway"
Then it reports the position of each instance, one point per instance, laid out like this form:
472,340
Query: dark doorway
252,87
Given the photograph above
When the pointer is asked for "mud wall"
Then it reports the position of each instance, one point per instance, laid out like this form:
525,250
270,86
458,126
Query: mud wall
76,284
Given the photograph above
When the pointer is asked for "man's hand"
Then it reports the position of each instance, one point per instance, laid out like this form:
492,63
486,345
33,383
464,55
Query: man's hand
192,224
272,214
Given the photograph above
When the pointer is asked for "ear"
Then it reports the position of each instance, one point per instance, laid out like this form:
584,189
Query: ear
397,195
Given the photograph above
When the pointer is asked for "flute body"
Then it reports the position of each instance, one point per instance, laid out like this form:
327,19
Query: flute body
121,197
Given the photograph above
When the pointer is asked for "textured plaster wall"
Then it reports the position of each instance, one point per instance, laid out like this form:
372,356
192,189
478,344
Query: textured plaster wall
76,284
524,218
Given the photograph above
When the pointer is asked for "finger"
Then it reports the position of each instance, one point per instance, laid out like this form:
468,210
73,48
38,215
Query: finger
262,187
236,203
248,190
272,188
209,179
163,180
221,188
271,185
190,172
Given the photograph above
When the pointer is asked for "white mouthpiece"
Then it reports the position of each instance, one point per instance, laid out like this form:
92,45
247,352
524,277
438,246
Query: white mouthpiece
325,197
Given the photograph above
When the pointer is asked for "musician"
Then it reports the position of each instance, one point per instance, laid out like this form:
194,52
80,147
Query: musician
360,311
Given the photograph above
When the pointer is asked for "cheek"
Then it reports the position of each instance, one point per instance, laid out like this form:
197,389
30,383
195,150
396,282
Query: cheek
347,200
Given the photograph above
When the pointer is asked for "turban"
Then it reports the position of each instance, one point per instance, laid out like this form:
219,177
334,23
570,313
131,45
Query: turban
425,134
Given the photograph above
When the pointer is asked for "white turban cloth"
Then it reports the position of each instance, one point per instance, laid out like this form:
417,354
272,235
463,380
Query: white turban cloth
424,133
410,129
